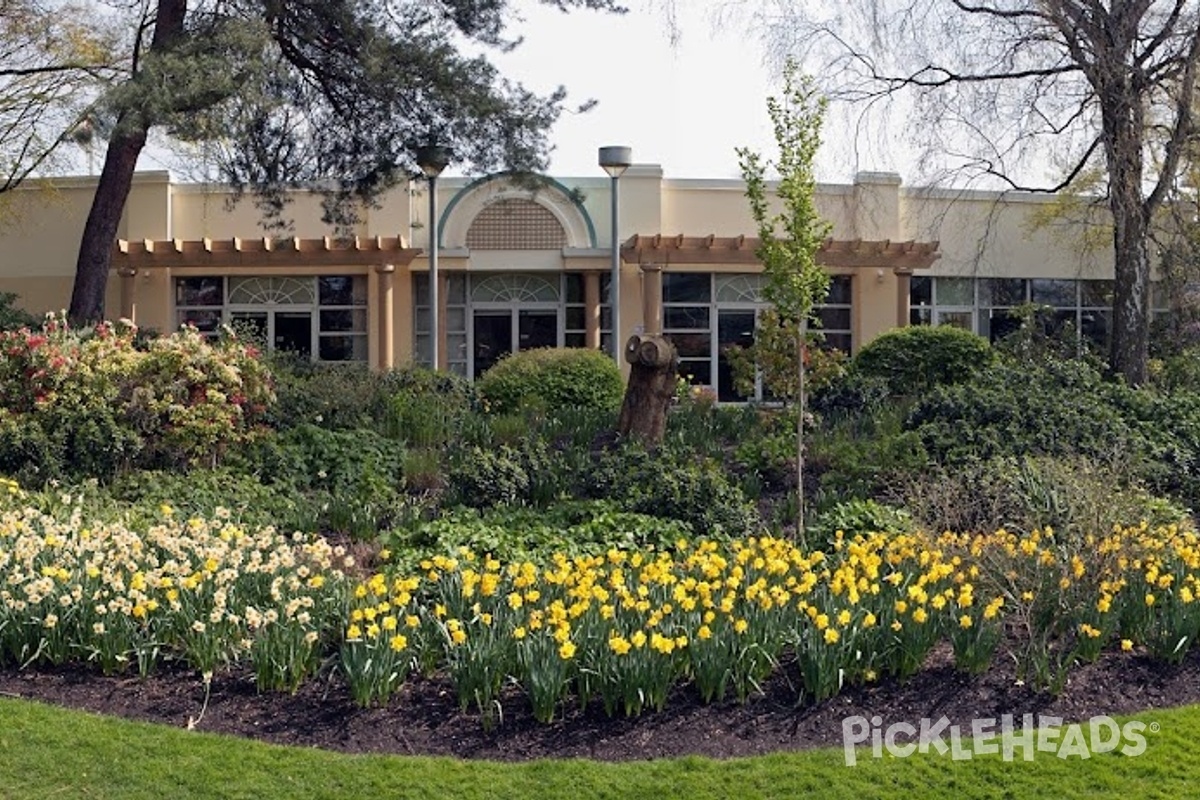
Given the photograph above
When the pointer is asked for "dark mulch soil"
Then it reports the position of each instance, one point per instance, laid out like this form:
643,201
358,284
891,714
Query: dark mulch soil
424,717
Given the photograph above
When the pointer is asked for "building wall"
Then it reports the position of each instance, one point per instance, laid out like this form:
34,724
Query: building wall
980,234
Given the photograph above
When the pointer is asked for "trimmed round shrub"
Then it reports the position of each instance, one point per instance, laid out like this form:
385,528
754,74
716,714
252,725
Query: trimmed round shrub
553,379
915,359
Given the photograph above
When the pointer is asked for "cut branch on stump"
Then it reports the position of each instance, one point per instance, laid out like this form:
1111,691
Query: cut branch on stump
651,388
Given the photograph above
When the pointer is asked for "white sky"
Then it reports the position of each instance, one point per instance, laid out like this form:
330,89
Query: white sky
685,106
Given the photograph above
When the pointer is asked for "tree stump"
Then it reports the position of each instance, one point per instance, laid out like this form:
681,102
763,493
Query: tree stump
650,390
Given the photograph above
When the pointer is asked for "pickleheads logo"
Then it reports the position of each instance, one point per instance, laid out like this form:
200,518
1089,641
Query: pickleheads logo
991,736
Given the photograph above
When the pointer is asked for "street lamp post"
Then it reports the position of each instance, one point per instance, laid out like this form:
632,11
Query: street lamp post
614,161
432,159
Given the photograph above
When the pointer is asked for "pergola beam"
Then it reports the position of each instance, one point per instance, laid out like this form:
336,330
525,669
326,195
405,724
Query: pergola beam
740,250
264,252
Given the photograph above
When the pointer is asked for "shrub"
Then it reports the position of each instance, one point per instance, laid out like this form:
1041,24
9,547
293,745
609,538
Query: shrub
672,484
850,395
192,399
502,476
553,379
1057,408
1072,495
354,477
404,403
201,492
913,360
859,457
856,516
13,318
309,456
576,527
102,404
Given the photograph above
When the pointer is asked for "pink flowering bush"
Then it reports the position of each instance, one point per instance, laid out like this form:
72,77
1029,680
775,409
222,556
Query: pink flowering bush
91,402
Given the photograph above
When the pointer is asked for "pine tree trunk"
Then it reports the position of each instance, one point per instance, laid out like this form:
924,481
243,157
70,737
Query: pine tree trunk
104,219
651,387
112,190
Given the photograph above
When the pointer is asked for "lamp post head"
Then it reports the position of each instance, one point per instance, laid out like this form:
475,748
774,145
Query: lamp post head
432,159
615,160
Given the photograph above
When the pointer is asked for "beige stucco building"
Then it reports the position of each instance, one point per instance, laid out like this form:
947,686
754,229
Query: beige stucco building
526,266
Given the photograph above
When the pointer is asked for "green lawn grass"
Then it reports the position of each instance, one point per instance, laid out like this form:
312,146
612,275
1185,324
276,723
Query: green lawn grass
48,752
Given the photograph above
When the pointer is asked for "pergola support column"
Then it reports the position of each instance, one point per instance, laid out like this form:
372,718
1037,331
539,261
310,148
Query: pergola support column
903,293
652,293
387,316
128,293
591,310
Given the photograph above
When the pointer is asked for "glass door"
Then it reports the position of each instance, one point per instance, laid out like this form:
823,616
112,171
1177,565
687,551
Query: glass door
493,339
734,329
281,330
500,331
255,323
294,332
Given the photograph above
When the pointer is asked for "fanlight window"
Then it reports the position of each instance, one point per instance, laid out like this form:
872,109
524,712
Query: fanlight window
507,288
271,291
739,288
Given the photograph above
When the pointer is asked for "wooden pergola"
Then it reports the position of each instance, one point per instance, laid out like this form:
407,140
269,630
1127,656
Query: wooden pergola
836,253
659,252
264,252
223,256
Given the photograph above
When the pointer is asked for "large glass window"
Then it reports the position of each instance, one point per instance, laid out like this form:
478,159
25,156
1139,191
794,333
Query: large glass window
687,322
987,305
706,314
321,317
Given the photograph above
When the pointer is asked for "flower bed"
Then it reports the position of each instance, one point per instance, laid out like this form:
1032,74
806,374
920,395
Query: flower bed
622,628
205,591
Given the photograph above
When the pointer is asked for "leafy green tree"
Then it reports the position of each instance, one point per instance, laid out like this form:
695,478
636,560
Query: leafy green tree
790,237
338,93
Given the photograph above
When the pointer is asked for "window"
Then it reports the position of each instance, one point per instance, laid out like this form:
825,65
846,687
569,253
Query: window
199,302
687,322
575,323
705,314
997,299
323,317
835,314
986,305
342,323
539,305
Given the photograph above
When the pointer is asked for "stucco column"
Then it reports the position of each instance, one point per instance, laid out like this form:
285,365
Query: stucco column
387,317
441,323
903,292
651,299
591,310
128,292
